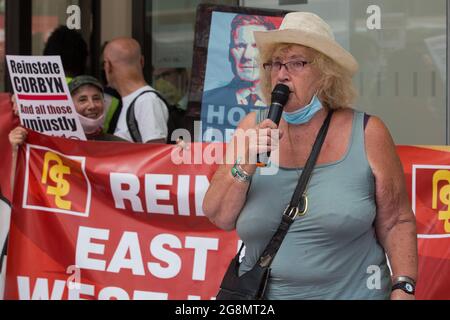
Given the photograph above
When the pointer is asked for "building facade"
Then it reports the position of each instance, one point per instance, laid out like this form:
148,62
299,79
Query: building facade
401,46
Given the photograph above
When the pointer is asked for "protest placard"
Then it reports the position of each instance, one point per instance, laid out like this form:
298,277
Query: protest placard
43,97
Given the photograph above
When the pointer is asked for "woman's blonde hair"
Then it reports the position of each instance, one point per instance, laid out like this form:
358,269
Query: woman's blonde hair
336,89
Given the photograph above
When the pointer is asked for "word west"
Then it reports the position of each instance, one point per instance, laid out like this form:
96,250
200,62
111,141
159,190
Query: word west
42,289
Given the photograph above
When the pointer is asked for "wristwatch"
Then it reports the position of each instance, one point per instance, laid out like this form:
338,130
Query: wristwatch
404,283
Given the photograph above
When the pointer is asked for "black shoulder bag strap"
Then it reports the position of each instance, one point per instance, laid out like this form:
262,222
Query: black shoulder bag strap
132,123
299,201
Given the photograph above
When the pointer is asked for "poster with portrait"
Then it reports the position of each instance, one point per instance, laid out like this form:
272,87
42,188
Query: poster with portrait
225,77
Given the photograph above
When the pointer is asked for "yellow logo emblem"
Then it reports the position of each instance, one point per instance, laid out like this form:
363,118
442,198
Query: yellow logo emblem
56,173
444,196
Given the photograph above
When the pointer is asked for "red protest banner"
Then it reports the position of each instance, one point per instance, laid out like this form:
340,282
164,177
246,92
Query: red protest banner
427,173
122,217
132,220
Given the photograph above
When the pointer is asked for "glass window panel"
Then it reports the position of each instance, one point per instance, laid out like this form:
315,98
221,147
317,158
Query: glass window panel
172,33
402,65
47,15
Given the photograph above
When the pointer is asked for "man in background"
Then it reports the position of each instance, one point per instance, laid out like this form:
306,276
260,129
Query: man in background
123,63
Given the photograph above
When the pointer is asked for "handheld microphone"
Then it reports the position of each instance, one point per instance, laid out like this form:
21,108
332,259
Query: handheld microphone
280,96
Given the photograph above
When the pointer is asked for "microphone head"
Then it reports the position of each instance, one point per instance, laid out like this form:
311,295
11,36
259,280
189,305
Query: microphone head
280,94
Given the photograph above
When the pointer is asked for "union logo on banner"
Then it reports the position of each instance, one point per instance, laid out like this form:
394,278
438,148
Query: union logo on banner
58,183
431,200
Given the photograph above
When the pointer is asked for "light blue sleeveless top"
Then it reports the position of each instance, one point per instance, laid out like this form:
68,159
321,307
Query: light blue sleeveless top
331,252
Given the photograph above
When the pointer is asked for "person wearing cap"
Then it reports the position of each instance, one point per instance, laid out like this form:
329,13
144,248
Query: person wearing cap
123,63
358,209
87,96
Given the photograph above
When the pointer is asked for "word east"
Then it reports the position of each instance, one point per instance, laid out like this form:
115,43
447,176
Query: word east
129,255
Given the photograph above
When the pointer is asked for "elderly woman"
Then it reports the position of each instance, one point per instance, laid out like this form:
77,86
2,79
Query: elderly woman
358,209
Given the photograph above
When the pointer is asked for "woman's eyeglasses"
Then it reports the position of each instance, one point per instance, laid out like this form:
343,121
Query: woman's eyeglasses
291,66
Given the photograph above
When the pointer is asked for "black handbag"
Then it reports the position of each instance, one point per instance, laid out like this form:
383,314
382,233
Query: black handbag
252,284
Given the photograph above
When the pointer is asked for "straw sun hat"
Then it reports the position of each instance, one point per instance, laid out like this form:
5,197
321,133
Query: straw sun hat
309,30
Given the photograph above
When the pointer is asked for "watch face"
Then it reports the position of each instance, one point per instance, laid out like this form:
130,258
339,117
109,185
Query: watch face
409,287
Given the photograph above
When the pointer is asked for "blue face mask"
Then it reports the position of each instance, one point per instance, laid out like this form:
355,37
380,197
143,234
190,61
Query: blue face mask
304,114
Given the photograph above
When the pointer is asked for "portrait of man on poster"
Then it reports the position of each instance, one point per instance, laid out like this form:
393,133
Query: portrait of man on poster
223,106
244,87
